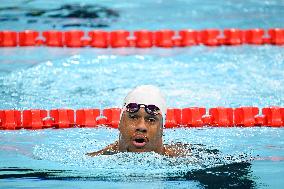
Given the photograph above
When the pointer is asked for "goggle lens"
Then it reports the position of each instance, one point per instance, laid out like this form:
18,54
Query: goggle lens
150,109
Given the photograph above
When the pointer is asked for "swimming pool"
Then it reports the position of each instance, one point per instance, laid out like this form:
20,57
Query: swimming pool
50,78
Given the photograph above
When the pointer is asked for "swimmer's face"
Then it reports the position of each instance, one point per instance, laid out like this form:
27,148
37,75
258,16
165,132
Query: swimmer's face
140,132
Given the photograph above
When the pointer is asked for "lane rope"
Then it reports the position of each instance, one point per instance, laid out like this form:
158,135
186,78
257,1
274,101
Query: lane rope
142,38
176,117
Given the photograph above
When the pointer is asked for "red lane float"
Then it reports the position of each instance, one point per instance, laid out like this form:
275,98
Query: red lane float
99,38
192,117
73,38
164,38
87,117
53,38
10,119
254,36
207,120
173,118
245,116
29,38
63,118
209,37
233,37
8,39
276,36
186,117
222,116
188,38
142,38
274,116
119,38
112,116
260,120
34,119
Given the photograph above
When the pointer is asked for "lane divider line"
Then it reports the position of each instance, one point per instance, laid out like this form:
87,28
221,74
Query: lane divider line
142,38
176,118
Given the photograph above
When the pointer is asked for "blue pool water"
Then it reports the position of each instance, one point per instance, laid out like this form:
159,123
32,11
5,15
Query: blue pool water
50,78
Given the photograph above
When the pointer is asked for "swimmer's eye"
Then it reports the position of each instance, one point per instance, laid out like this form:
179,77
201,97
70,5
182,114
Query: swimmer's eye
132,116
151,119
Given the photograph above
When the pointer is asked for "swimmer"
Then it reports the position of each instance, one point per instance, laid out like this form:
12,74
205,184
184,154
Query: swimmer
141,125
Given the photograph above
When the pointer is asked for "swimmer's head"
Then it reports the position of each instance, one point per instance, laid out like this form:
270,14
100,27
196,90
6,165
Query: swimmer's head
142,119
147,95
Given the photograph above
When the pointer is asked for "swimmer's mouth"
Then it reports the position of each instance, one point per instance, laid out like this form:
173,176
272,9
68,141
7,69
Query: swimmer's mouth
139,141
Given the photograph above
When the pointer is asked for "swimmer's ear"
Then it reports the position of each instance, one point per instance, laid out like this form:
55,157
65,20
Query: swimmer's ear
120,121
162,128
119,125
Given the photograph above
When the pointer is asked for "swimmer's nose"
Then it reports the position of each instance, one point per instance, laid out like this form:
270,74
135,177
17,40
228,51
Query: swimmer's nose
141,127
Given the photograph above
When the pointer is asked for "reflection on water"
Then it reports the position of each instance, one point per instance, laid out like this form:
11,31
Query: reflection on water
63,16
235,175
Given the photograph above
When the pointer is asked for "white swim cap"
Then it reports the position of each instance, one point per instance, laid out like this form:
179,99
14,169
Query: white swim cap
147,94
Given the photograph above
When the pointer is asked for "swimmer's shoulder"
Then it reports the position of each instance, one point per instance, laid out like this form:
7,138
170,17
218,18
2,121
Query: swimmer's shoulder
177,150
109,150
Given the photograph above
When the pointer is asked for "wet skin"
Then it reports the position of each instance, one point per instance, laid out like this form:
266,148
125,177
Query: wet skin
141,132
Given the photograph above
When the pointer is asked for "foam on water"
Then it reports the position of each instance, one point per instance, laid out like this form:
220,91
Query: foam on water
60,154
65,150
